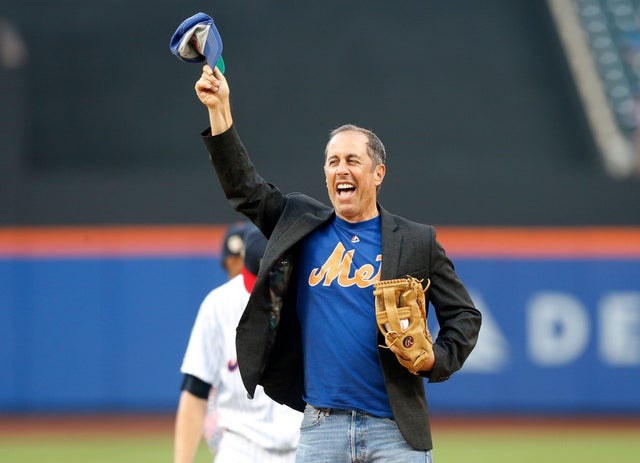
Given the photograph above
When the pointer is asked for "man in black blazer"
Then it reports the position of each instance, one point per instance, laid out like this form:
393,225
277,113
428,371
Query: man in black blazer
308,334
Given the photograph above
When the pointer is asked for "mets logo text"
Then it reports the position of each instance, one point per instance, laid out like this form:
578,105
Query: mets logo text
338,267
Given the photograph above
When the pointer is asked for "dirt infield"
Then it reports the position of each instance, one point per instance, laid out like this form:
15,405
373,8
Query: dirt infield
86,424
78,425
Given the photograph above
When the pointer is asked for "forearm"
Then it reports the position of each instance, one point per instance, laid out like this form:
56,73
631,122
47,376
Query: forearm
188,427
220,119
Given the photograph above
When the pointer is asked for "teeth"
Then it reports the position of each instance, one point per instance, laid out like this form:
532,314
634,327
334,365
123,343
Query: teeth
344,186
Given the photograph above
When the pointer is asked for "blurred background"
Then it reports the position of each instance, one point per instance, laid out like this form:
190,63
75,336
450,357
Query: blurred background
510,125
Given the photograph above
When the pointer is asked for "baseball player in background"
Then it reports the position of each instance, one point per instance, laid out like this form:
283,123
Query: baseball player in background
231,257
232,261
251,431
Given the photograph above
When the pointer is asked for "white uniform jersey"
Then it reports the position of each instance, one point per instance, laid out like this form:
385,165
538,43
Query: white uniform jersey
211,357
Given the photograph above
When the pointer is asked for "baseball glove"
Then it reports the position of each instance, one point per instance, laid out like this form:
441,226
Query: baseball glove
401,314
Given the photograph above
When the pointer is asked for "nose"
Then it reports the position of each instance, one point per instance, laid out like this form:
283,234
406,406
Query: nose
341,168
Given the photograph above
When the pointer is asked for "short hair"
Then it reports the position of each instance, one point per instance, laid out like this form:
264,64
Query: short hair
375,148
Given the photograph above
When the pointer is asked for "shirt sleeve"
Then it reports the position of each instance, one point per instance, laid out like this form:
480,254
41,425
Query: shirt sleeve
204,351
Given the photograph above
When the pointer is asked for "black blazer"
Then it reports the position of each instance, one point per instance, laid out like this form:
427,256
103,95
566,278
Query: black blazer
268,339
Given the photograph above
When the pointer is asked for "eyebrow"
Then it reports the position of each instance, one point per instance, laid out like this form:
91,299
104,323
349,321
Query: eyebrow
347,156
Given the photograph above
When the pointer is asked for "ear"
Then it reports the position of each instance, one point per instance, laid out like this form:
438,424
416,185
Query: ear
379,172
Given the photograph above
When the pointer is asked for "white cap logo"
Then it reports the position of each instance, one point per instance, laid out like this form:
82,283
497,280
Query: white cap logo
235,244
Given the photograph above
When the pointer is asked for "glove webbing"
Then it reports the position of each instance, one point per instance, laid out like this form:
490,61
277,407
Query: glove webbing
388,289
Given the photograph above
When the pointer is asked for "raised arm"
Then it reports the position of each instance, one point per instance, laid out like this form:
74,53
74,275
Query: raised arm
213,91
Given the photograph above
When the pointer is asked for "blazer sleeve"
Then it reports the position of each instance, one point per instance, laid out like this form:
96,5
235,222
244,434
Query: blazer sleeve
246,191
457,316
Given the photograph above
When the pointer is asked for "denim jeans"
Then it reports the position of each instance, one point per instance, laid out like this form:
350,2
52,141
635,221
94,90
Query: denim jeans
340,436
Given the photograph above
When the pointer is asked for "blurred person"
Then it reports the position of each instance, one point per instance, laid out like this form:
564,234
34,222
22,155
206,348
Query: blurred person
232,248
309,334
232,261
247,431
13,50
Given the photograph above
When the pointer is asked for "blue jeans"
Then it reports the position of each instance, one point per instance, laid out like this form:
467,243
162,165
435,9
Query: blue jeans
341,436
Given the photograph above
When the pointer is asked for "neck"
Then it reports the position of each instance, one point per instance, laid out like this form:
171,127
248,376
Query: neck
359,218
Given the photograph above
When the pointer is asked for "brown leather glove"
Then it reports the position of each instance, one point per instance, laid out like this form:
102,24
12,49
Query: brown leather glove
401,314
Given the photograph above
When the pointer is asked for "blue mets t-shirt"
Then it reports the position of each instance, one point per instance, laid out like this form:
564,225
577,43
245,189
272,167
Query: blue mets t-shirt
339,264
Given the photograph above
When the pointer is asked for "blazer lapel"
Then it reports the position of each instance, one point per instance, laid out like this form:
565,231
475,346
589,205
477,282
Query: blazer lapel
303,225
292,232
391,245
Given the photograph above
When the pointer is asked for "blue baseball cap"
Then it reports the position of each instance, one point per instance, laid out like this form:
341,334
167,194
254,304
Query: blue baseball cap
197,39
233,241
254,246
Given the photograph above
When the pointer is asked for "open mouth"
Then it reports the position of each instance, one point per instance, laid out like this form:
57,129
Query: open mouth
345,189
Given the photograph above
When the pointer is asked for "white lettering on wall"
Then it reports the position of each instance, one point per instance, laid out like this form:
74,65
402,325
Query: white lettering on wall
557,327
491,353
558,331
619,323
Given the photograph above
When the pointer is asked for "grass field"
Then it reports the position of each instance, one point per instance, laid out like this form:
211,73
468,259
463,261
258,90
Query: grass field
536,447
95,449
555,442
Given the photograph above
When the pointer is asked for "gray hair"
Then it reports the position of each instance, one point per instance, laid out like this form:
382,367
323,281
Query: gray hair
375,148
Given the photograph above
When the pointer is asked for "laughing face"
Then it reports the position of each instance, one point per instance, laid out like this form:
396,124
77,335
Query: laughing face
352,177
